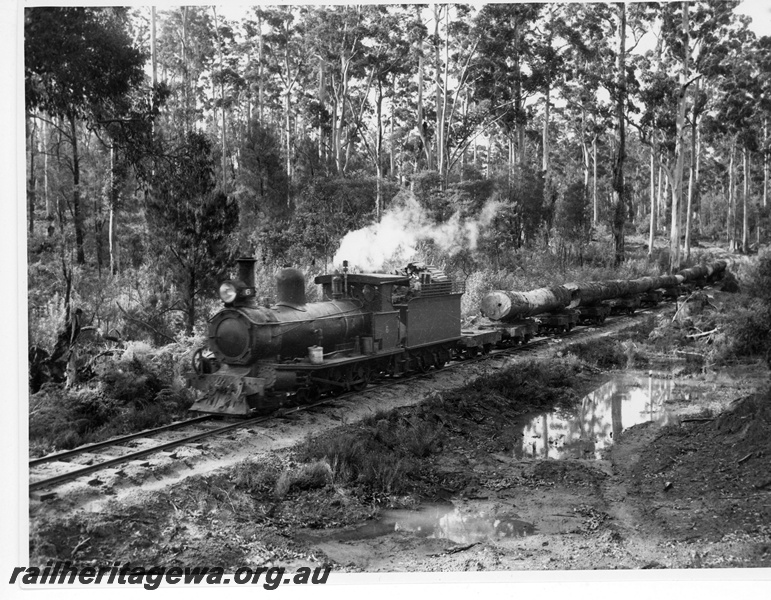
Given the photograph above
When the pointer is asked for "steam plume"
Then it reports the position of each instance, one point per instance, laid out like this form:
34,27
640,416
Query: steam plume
402,227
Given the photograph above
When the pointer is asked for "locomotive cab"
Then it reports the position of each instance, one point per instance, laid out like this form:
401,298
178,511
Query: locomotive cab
375,291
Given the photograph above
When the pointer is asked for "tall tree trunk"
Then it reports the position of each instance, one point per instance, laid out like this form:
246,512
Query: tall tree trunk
660,195
765,174
420,109
322,100
76,212
99,233
677,187
693,180
619,192
191,285
392,136
439,93
31,126
545,134
745,197
379,151
153,49
223,133
595,198
444,168
185,71
731,218
652,228
518,100
46,195
287,118
112,215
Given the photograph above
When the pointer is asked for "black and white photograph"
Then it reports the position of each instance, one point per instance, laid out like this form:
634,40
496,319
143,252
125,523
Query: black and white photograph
313,293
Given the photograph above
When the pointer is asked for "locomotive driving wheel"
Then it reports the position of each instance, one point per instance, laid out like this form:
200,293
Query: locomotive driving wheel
341,381
360,377
204,361
307,394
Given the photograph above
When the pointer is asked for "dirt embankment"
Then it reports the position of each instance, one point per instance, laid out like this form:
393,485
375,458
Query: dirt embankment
518,470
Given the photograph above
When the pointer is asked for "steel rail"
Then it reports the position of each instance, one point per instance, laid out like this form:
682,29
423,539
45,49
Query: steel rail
42,483
115,441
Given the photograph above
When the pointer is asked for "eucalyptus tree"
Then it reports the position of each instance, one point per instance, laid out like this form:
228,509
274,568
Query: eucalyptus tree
228,85
80,66
764,64
335,38
386,52
286,64
587,63
502,70
185,56
681,85
732,121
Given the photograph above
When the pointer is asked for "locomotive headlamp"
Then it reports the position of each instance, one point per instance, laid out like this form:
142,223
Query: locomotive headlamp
228,292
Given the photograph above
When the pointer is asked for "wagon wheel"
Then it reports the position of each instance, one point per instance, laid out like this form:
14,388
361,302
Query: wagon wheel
422,363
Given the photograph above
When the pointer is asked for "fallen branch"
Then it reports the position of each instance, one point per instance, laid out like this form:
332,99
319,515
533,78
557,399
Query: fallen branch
745,459
79,546
698,335
697,420
455,549
144,324
677,312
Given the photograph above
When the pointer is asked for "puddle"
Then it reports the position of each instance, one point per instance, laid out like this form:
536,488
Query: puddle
587,431
438,521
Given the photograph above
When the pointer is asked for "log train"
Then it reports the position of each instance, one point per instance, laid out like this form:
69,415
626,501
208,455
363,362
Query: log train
370,325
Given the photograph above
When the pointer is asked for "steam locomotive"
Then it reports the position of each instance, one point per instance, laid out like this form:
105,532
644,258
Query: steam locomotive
367,325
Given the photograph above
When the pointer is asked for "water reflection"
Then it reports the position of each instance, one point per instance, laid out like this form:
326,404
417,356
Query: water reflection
624,401
443,521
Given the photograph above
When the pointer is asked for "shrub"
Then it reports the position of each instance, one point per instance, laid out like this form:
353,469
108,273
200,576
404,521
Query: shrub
746,332
363,457
314,475
135,391
258,478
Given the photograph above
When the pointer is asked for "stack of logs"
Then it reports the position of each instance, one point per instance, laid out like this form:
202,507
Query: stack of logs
502,305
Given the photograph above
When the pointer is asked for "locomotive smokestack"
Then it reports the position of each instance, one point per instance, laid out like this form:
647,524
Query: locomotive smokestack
246,270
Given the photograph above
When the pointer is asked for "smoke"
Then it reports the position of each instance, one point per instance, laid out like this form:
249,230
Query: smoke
402,227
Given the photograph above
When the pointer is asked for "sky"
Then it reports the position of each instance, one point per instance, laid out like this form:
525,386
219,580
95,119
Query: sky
760,12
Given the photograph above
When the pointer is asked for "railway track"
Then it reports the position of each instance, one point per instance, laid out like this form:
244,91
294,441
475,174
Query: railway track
99,456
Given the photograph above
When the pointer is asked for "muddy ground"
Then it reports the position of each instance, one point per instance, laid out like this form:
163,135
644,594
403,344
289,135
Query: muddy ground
460,474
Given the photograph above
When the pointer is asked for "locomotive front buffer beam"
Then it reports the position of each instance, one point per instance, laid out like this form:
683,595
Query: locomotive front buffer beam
227,392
